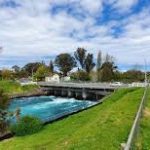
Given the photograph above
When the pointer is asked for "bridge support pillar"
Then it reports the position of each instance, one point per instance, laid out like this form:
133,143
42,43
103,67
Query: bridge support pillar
57,93
84,94
97,96
63,93
70,93
78,95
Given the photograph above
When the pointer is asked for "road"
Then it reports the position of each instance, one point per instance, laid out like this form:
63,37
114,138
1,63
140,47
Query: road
79,85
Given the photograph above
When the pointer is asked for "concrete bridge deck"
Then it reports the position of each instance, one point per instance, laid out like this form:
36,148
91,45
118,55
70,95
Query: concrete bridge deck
91,91
79,85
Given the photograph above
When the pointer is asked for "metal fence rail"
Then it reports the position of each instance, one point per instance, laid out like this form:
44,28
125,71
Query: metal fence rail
135,125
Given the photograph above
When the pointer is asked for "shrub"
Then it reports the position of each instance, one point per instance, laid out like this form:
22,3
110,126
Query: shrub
4,102
80,76
26,125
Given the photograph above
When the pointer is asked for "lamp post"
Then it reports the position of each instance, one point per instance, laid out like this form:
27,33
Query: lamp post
145,62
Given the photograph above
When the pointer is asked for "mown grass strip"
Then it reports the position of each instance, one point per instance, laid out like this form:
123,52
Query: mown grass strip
103,127
133,132
143,140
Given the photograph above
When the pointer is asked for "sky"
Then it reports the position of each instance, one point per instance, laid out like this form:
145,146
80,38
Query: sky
35,30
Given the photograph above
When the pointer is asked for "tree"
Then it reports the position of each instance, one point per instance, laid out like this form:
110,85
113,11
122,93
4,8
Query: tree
80,56
22,74
16,68
51,66
89,63
118,76
133,76
99,60
42,72
107,71
31,68
4,102
7,74
99,64
65,62
80,76
109,58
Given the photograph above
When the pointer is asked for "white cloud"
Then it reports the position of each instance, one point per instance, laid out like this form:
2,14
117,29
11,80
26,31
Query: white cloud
123,5
92,7
31,31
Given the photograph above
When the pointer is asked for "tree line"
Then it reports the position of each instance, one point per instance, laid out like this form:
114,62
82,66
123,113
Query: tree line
81,66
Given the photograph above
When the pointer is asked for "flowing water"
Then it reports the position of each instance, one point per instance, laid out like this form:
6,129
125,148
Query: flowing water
48,108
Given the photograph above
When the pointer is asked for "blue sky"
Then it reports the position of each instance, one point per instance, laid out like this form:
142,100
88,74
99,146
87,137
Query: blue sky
33,30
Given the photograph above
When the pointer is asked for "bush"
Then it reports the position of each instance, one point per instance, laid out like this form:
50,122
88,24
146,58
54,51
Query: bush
4,102
26,125
80,76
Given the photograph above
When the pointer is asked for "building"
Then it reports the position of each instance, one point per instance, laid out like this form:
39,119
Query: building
54,78
137,84
66,79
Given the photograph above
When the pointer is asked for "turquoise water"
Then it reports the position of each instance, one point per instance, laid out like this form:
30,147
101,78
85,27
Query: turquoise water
48,108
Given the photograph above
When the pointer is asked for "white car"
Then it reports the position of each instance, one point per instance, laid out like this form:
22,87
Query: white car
116,84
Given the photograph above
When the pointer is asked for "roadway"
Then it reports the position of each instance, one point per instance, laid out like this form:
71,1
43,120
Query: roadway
79,85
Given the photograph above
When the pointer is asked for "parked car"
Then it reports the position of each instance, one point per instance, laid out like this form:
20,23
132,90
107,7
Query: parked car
116,84
26,81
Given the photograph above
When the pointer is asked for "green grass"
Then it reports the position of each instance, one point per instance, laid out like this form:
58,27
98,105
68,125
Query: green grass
102,127
12,87
143,141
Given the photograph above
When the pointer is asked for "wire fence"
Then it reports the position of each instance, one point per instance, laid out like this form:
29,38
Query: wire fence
135,126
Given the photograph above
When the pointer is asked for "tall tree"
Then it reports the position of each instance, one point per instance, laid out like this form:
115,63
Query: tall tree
109,58
99,60
89,63
99,64
80,56
51,66
65,62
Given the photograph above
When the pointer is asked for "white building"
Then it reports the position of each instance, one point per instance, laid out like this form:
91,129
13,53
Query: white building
137,84
66,79
54,78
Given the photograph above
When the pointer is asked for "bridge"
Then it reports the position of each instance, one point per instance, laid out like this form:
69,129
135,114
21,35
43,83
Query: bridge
86,91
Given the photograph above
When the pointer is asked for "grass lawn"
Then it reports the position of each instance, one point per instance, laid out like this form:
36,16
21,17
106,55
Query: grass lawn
12,87
143,141
102,127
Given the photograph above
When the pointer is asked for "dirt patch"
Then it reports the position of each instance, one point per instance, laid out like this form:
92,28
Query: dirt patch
147,112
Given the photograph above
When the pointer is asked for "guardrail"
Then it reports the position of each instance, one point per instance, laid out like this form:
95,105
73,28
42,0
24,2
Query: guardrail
134,129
